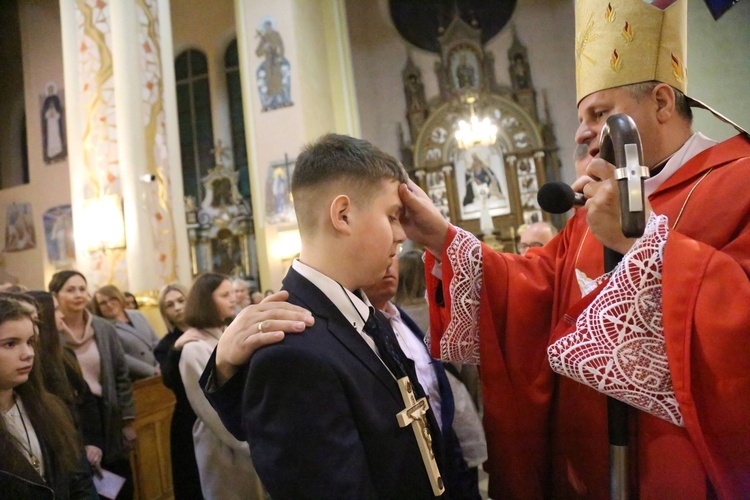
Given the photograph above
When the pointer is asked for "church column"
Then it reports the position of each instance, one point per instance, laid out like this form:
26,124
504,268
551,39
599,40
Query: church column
120,123
315,42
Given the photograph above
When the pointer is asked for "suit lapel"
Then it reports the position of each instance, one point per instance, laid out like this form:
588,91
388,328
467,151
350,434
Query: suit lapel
321,306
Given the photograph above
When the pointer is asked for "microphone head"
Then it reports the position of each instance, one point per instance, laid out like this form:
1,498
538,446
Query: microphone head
556,197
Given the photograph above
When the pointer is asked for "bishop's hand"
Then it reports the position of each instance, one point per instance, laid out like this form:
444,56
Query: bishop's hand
603,206
422,221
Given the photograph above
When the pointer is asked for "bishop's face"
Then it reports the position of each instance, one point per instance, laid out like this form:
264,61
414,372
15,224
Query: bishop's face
595,108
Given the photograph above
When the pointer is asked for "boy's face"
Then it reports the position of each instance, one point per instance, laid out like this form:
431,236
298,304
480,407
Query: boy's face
377,233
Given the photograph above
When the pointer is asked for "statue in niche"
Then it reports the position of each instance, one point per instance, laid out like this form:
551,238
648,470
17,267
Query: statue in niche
415,97
519,72
273,74
465,74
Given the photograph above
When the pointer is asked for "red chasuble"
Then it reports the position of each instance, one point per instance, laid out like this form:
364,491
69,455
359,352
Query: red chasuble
547,434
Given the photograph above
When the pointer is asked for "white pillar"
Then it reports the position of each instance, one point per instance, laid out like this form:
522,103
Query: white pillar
122,123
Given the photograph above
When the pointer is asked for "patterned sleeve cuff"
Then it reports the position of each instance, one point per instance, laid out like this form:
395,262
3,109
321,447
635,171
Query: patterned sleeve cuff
618,347
460,342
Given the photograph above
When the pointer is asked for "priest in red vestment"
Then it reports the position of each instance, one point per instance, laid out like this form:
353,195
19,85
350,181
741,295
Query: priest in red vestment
668,331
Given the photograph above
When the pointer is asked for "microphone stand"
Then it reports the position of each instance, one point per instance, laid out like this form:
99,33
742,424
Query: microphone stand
620,144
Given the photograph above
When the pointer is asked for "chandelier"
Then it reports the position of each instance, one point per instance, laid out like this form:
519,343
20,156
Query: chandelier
475,132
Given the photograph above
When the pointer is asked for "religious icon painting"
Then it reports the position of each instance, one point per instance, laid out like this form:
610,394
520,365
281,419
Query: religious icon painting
465,68
480,174
273,75
53,125
58,235
19,228
279,203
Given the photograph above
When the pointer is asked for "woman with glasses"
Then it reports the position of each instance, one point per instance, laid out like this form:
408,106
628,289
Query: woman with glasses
136,335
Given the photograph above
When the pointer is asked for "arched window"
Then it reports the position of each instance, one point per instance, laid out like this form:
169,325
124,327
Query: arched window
194,116
237,117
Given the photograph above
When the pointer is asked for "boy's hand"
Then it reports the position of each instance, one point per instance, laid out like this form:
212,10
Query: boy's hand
421,220
255,326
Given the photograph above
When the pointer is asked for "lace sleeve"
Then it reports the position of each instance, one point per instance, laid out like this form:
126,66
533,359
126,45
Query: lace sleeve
460,342
618,347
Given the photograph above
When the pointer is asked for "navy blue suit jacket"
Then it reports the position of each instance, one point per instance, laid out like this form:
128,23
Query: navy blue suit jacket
319,412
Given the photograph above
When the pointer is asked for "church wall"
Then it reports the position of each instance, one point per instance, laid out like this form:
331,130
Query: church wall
718,66
49,185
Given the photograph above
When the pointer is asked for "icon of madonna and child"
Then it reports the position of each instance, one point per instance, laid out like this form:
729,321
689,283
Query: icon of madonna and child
484,185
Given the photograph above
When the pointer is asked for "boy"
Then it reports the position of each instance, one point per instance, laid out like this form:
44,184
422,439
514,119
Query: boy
319,409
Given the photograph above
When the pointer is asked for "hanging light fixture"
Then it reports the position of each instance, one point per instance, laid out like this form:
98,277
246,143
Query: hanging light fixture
475,132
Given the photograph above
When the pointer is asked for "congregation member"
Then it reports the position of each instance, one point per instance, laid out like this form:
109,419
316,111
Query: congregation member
224,464
42,456
63,378
531,322
535,235
130,301
241,293
410,294
256,297
185,478
319,409
102,361
137,337
460,426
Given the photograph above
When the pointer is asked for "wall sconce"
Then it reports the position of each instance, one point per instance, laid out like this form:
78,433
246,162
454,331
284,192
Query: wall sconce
104,223
287,245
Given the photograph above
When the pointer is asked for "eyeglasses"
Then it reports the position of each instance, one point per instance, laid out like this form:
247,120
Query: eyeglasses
106,302
525,246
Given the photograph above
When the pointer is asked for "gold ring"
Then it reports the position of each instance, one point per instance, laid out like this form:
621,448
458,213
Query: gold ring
260,327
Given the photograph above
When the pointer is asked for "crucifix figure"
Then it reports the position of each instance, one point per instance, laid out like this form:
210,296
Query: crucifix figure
415,414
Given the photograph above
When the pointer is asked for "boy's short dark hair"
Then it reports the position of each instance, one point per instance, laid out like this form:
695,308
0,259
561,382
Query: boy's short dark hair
334,158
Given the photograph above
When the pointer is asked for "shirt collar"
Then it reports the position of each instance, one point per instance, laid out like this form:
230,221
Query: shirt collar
342,298
391,311
697,143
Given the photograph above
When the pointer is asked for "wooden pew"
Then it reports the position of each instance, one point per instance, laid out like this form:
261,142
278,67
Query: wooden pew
151,460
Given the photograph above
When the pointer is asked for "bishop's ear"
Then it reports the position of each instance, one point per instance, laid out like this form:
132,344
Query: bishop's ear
340,214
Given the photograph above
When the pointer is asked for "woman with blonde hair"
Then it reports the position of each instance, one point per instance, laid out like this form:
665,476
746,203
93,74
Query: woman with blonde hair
185,478
224,463
135,333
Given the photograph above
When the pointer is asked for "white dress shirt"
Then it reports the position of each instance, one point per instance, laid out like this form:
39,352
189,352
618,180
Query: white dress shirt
415,350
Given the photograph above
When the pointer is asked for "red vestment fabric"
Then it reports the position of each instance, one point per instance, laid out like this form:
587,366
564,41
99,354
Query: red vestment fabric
547,434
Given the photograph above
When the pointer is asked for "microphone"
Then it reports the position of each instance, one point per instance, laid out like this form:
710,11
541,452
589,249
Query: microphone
558,198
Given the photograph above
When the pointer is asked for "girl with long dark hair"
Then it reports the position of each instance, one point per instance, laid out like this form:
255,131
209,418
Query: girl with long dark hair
40,453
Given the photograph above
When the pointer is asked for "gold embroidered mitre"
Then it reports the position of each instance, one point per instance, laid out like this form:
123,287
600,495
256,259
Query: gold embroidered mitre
620,42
